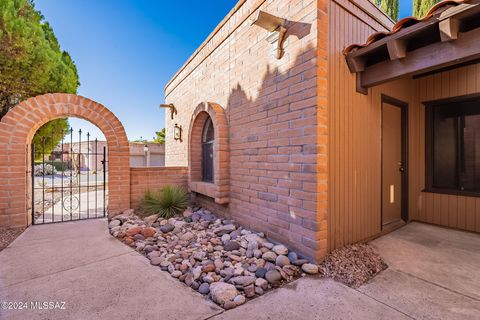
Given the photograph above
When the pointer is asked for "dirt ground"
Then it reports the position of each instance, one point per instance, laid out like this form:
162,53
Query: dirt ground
7,235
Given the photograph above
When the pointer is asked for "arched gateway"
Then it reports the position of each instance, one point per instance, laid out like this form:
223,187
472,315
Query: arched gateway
17,129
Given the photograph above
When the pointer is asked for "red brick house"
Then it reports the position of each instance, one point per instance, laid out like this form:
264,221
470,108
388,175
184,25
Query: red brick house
290,129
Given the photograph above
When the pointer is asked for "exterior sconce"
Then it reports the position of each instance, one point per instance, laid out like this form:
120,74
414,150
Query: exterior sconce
172,108
177,132
276,26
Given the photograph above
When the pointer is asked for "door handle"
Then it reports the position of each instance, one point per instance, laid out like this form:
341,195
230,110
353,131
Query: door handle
402,169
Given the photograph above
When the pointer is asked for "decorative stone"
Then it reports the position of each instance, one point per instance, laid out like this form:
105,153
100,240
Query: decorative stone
138,237
222,292
114,223
299,262
269,256
239,300
292,256
231,245
187,236
280,249
249,291
225,237
167,228
220,231
197,272
268,245
260,273
133,231
273,277
262,283
176,273
149,232
204,288
282,261
229,305
156,261
243,280
199,256
208,268
310,268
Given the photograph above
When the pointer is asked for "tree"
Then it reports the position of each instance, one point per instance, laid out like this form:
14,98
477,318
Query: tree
160,136
390,7
421,7
32,62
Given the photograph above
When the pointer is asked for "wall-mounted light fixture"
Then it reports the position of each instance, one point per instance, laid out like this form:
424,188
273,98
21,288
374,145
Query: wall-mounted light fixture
276,26
172,108
177,132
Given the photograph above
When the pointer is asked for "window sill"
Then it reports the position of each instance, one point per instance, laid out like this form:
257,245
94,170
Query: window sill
210,190
451,192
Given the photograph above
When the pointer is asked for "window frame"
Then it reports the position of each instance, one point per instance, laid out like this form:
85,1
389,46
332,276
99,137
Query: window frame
429,132
206,126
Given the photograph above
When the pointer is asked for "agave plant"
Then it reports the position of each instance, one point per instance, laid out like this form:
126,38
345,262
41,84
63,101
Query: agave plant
167,202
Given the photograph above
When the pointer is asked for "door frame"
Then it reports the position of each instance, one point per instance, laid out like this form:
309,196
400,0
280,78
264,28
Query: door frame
404,118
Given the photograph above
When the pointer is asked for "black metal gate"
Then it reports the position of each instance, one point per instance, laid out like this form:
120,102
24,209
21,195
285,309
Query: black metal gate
69,180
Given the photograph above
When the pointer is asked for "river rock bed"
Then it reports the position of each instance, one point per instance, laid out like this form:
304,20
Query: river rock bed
213,256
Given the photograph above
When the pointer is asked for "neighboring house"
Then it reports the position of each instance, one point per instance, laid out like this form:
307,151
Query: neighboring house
283,135
142,154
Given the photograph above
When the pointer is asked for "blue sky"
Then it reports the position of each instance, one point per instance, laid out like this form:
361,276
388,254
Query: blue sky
127,50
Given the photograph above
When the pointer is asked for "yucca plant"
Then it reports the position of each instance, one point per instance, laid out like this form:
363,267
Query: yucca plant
167,202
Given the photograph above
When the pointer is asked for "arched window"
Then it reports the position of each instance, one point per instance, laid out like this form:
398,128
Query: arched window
208,137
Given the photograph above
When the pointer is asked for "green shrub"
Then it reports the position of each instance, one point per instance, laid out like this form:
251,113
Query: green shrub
167,202
60,165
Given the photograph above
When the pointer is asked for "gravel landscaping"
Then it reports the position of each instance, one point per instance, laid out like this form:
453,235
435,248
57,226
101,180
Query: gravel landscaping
353,265
213,256
7,235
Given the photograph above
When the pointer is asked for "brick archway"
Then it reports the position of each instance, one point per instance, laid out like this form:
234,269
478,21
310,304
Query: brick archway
17,129
219,189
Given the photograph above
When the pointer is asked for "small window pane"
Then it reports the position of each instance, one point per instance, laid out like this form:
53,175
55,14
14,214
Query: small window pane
444,150
456,146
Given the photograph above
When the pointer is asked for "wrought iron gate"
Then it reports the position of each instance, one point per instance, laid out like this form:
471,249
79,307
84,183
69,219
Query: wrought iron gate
69,180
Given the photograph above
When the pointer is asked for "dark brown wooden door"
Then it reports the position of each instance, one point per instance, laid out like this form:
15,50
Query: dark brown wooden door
392,163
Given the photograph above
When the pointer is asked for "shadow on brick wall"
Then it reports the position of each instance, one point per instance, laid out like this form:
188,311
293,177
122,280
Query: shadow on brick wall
273,160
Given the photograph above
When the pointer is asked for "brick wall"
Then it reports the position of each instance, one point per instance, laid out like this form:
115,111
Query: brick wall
154,178
17,129
277,155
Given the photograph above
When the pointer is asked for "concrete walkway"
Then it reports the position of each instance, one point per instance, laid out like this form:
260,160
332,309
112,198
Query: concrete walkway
96,276
433,274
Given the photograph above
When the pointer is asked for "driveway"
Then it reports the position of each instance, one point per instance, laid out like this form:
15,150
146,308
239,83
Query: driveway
433,274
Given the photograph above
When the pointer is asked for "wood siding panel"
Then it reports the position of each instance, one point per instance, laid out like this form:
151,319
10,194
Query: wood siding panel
354,140
452,211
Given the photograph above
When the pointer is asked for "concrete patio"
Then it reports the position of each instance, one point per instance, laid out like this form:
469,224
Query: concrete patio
433,274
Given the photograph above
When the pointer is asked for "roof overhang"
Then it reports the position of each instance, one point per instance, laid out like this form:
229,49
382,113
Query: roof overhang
447,37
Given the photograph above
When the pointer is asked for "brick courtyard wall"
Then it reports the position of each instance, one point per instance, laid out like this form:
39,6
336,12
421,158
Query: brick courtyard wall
277,117
17,129
154,178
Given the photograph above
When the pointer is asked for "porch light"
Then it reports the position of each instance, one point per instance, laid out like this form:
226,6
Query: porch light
177,132
172,108
276,26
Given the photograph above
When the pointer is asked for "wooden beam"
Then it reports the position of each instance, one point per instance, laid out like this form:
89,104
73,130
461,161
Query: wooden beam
358,84
459,12
402,34
426,59
397,49
449,29
356,64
